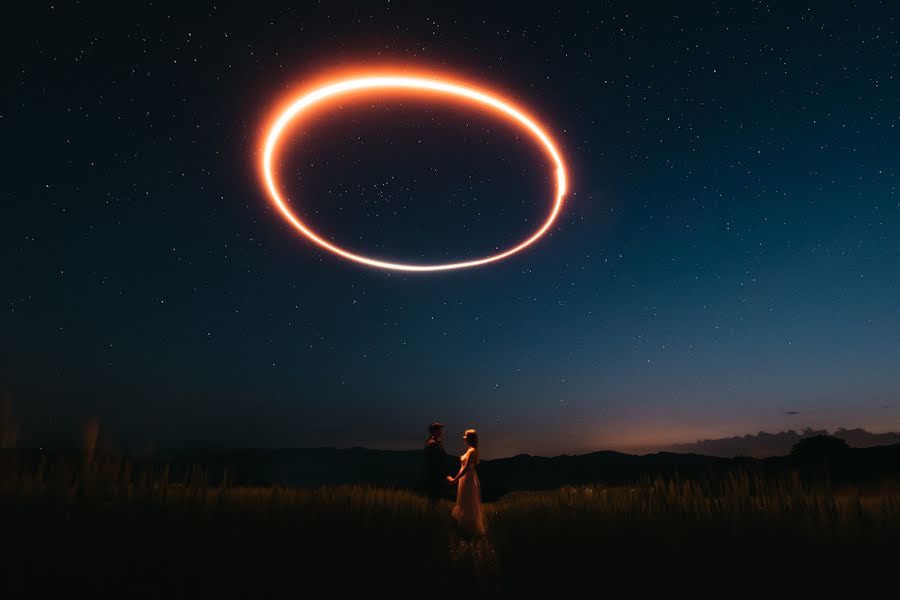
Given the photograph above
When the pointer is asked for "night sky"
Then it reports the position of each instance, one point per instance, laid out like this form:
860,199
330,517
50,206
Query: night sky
726,262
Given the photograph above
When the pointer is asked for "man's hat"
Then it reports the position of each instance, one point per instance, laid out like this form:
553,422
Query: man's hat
435,426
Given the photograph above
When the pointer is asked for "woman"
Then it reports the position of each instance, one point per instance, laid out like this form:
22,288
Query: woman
467,511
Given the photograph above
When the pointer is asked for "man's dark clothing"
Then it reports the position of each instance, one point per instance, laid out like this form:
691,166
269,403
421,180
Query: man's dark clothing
435,467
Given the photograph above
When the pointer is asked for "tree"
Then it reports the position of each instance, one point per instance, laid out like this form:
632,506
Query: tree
820,447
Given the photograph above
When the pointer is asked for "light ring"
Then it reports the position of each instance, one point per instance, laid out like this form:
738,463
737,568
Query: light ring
478,97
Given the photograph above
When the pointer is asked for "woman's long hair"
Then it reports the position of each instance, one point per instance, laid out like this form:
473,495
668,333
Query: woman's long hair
471,436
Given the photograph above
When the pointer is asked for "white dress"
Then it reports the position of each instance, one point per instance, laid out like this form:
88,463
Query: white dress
467,511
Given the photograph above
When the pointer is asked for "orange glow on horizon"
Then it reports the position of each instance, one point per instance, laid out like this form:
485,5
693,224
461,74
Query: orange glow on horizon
476,96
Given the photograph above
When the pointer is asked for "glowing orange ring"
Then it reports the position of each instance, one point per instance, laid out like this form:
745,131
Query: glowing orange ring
413,83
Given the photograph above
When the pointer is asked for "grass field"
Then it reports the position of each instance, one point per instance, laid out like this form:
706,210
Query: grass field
99,528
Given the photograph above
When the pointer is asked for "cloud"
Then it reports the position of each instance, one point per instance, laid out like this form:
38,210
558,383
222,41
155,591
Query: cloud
765,444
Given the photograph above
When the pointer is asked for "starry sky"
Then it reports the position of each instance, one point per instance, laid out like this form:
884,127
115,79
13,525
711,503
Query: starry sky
726,262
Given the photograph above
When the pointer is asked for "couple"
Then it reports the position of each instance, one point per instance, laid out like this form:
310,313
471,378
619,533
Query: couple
467,511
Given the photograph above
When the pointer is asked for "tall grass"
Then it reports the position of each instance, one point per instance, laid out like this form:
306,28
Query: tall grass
99,525
739,537
106,529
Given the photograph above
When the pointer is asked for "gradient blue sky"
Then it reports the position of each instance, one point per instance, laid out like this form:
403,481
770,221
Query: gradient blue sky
727,261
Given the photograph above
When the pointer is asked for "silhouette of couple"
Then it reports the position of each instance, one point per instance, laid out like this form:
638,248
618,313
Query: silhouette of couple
467,511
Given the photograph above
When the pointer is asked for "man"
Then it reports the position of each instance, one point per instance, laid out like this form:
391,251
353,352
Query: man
435,463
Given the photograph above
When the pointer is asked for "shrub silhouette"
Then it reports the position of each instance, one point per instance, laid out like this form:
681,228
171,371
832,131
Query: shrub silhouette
819,447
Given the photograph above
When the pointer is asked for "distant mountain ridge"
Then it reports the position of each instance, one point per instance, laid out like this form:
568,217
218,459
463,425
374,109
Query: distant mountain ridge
312,467
403,469
304,467
764,445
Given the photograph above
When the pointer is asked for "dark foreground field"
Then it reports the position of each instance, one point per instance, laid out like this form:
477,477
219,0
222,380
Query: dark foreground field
98,529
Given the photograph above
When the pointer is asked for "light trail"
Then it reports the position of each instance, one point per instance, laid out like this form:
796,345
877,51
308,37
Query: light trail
476,96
